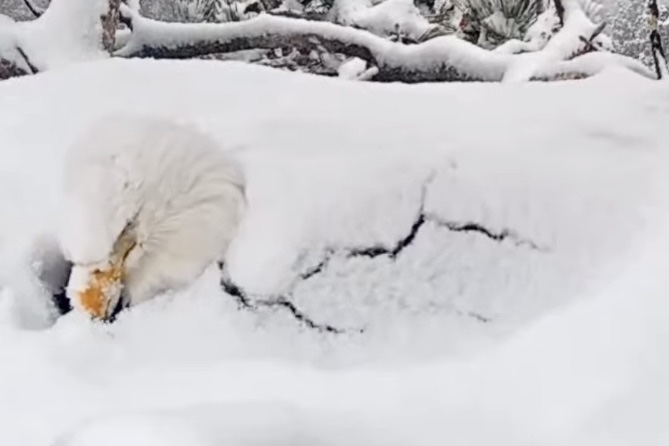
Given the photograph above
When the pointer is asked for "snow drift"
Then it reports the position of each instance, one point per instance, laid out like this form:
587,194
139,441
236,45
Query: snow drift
490,241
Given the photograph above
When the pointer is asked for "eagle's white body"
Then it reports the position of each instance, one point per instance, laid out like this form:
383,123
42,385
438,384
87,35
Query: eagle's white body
183,194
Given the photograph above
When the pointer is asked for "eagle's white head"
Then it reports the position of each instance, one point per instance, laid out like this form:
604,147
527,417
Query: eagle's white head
149,204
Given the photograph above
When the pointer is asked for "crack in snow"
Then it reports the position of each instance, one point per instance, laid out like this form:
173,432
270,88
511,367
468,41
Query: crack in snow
421,219
244,301
393,252
501,236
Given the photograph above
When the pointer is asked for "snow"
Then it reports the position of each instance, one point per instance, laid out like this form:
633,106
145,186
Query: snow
468,61
344,11
8,49
69,31
574,350
560,47
382,19
352,69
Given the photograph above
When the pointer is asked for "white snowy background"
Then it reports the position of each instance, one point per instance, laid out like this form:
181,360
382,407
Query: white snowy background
556,333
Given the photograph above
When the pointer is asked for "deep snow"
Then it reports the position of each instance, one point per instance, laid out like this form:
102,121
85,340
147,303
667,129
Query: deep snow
574,349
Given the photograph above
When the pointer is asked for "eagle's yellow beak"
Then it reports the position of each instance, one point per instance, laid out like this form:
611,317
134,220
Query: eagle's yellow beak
99,287
102,291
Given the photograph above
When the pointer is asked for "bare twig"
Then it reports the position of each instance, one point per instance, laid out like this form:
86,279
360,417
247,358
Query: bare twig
35,10
589,43
33,69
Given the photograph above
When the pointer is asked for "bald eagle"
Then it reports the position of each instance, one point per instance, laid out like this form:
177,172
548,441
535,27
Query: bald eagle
149,204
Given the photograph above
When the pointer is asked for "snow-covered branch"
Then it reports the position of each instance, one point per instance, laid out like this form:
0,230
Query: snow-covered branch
572,39
445,58
156,39
441,59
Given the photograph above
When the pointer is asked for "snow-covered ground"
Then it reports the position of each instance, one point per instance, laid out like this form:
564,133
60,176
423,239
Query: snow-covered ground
527,308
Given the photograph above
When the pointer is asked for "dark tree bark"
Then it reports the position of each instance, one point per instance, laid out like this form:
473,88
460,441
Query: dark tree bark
656,47
37,12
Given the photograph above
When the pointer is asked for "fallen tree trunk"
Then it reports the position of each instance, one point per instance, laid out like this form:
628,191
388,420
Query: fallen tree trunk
442,59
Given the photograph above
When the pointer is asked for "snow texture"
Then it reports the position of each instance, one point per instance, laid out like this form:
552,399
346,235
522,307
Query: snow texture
352,69
385,18
404,211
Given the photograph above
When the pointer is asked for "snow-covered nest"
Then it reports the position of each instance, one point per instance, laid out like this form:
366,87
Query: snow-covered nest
502,247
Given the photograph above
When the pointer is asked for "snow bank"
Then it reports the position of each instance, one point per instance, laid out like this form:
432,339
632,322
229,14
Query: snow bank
552,204
589,375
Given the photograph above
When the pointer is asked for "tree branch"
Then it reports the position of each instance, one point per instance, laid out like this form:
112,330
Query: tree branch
441,59
33,69
162,40
36,11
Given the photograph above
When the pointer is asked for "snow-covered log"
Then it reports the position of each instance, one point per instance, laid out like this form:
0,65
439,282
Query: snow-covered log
70,31
445,58
574,38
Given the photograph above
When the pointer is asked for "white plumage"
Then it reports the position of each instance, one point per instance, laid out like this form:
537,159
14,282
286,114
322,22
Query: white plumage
149,204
